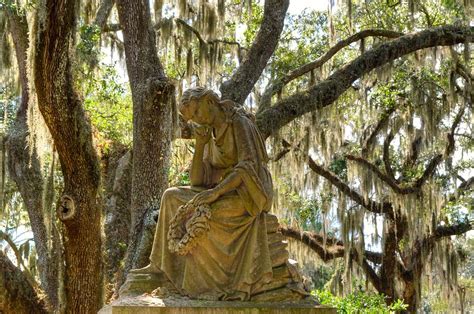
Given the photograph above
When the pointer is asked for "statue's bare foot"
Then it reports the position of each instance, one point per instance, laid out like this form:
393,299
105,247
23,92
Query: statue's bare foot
150,269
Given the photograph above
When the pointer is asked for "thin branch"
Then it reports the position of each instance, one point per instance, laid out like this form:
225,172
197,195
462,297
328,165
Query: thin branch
378,127
450,145
286,149
4,236
192,29
382,176
430,168
207,42
275,86
326,253
374,257
464,72
424,10
466,185
371,275
468,136
415,151
425,246
335,250
375,207
386,156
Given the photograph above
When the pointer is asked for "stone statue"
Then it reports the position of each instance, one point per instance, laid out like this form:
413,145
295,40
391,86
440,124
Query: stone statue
211,239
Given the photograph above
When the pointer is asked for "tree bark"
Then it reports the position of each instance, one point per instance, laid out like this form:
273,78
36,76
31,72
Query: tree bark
153,98
326,92
243,80
71,131
17,296
278,84
103,13
24,165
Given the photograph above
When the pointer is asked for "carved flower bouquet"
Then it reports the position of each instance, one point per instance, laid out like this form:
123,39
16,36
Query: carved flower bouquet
188,225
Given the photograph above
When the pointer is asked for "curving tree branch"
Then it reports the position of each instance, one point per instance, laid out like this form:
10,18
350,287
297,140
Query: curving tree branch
327,91
239,86
277,85
335,249
5,237
456,229
384,177
414,187
202,40
386,156
370,205
326,253
369,141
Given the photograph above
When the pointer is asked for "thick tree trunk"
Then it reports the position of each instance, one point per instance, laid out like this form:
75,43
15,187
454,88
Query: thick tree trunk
25,169
71,131
17,296
153,101
388,269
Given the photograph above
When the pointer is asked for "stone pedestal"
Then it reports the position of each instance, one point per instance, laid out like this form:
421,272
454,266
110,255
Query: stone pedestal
147,304
285,294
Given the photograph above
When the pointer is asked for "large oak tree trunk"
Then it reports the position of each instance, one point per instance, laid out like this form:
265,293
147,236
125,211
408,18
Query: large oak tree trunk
25,169
71,132
153,101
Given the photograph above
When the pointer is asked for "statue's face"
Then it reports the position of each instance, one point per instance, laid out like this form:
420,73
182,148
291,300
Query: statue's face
197,110
187,110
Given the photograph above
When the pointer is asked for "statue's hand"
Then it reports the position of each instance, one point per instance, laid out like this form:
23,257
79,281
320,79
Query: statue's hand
202,134
205,197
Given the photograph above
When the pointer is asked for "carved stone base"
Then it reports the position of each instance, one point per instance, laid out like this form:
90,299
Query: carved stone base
137,284
147,304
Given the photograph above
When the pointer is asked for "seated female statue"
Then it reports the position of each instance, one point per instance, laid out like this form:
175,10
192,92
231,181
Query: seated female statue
229,175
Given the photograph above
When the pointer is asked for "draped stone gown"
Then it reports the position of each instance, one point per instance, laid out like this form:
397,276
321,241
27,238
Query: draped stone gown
233,259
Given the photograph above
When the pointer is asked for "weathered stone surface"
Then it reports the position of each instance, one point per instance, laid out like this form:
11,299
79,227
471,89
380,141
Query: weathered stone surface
137,284
281,277
272,223
278,295
279,256
147,304
275,238
277,246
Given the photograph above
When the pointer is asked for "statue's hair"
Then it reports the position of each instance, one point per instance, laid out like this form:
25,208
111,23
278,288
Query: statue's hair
197,93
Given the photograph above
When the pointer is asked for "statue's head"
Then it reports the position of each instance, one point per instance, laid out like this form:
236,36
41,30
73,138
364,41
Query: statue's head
199,104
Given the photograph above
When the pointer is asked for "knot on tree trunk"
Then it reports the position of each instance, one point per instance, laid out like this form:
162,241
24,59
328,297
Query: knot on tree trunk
66,209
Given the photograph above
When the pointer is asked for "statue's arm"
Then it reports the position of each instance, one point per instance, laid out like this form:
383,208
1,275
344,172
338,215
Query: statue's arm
197,172
230,183
245,151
